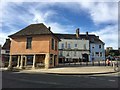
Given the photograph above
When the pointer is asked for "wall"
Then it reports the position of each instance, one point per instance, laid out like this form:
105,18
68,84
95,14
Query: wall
80,43
79,50
40,44
97,49
55,52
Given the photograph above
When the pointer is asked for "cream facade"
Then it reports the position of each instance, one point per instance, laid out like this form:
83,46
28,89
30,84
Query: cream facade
71,49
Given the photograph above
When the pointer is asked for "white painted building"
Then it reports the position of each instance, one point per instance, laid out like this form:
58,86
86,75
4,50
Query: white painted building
73,48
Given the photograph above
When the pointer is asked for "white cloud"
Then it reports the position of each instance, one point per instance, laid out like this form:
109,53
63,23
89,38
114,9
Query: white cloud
99,12
61,0
109,35
102,12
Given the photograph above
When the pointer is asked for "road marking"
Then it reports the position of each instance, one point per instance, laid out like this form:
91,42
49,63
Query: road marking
112,80
93,77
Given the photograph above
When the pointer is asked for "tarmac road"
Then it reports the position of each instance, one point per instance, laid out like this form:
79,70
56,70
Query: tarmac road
30,80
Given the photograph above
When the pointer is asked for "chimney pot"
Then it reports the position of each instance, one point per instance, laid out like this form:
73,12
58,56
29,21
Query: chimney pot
49,28
86,33
77,33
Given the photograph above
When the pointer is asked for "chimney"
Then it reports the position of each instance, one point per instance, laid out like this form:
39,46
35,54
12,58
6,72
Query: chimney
77,33
87,34
7,40
98,37
49,28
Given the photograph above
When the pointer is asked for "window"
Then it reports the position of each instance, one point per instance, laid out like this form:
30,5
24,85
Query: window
61,54
29,43
69,46
75,45
7,51
92,39
51,59
97,53
62,45
56,45
93,46
53,44
99,46
92,53
100,54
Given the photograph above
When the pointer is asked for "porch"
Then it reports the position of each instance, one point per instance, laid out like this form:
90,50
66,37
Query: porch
33,61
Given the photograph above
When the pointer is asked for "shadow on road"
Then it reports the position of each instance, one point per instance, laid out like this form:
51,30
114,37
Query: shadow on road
36,80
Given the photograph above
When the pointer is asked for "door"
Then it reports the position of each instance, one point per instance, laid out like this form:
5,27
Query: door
85,57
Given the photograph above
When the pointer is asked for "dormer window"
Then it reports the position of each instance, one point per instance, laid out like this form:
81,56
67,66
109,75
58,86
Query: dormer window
92,39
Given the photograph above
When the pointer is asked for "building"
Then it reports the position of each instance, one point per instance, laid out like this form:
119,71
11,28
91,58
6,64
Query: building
73,48
97,51
5,51
36,44
110,52
85,47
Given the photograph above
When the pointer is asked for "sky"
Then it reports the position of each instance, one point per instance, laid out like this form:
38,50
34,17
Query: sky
99,17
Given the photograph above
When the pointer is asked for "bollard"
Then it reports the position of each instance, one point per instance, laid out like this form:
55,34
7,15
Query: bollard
105,62
93,63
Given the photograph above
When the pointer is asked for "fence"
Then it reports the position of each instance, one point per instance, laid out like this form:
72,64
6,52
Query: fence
90,63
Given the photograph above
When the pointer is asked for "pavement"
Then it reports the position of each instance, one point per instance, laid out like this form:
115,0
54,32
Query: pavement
88,70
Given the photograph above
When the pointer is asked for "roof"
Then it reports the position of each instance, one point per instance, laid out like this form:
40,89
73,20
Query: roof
93,38
6,45
33,29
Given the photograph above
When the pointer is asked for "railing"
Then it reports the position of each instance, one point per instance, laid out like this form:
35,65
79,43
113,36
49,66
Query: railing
87,63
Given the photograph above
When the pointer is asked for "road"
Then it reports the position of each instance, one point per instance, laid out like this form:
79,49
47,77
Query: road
25,80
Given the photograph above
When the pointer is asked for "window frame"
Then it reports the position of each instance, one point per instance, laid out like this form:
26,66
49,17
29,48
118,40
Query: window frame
53,44
69,46
100,46
62,46
76,45
29,43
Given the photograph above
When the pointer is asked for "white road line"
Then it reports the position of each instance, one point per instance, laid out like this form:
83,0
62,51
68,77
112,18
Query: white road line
93,77
112,80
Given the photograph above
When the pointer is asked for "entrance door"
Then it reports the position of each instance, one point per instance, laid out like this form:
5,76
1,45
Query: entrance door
85,57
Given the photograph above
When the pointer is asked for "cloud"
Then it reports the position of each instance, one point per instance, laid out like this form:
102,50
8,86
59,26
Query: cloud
20,14
109,35
102,12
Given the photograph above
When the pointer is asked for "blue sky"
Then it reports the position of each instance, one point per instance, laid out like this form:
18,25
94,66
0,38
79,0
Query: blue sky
100,18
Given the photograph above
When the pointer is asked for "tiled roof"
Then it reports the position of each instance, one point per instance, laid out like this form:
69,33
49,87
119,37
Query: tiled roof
93,38
6,45
33,29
